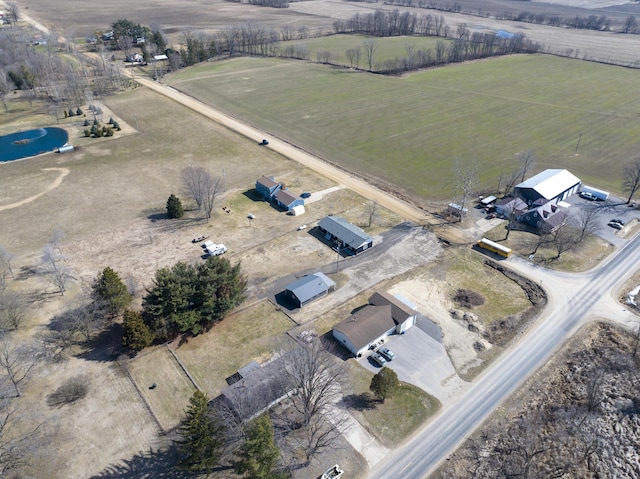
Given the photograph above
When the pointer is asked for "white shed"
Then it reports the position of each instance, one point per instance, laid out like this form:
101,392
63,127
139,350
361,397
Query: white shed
297,210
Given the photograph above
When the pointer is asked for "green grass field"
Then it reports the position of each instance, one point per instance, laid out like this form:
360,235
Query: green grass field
411,130
386,48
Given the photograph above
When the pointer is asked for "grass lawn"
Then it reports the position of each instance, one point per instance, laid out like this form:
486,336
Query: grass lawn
254,334
585,256
466,270
171,396
399,416
409,131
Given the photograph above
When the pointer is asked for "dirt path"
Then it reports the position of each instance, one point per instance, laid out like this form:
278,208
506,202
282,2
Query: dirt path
343,178
57,182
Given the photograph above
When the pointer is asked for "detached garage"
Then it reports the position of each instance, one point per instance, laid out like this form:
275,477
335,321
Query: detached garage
349,236
309,288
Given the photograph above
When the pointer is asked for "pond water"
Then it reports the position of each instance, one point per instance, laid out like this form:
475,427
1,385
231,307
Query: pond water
31,142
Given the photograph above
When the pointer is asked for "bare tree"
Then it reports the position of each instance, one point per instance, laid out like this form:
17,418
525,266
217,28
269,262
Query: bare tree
52,264
5,267
527,160
17,444
636,341
16,362
586,221
466,180
13,12
320,434
631,178
82,320
13,307
353,55
213,187
370,47
511,182
594,388
565,239
313,372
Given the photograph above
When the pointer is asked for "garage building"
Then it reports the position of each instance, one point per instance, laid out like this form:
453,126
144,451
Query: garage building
349,236
551,185
309,288
383,316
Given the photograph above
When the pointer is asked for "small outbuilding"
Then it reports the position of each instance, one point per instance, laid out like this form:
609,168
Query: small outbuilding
297,210
349,236
309,288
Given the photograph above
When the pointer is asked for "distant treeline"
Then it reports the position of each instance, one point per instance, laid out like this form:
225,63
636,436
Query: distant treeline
590,22
257,39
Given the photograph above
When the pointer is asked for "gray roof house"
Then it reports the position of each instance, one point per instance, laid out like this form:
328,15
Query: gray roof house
550,185
309,288
383,316
254,393
350,236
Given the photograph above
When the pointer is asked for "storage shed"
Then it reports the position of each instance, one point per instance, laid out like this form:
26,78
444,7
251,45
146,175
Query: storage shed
349,236
309,288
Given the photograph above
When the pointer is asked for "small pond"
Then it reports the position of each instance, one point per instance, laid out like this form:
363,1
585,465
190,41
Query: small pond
31,143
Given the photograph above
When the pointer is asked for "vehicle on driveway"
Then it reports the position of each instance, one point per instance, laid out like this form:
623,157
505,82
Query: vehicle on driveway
264,143
615,225
305,195
387,354
620,222
378,359
587,196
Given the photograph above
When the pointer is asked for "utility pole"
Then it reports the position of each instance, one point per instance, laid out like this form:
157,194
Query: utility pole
578,145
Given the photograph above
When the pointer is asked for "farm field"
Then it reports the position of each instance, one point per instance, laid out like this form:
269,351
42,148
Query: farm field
410,131
385,48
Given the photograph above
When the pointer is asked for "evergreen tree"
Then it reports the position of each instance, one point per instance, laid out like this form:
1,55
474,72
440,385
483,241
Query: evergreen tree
384,384
137,334
258,454
202,436
108,287
174,207
187,298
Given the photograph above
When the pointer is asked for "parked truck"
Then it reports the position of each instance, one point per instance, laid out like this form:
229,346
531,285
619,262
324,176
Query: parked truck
600,195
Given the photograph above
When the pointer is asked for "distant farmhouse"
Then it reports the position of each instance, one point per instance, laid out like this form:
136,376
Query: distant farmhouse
383,316
349,236
309,288
538,201
273,191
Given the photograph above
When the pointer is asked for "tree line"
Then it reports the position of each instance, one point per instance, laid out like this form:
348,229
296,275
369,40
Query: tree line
586,22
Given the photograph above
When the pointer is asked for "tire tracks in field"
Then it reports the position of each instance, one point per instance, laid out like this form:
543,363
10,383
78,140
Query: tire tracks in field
57,182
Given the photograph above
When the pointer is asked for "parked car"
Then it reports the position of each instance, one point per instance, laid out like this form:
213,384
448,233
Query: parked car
387,354
617,226
587,196
305,195
620,222
378,359
264,143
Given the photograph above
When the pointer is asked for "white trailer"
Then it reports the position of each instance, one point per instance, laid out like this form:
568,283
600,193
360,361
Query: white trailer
600,195
216,249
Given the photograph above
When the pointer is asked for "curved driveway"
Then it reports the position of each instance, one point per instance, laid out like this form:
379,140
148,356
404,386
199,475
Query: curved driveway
573,298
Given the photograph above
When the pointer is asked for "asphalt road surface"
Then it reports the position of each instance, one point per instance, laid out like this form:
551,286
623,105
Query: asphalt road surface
573,297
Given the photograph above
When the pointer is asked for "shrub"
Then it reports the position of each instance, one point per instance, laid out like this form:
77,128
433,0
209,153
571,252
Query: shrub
71,113
87,133
86,122
70,391
79,112
468,298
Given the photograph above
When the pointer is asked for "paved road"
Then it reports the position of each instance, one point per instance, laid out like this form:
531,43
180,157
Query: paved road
573,297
